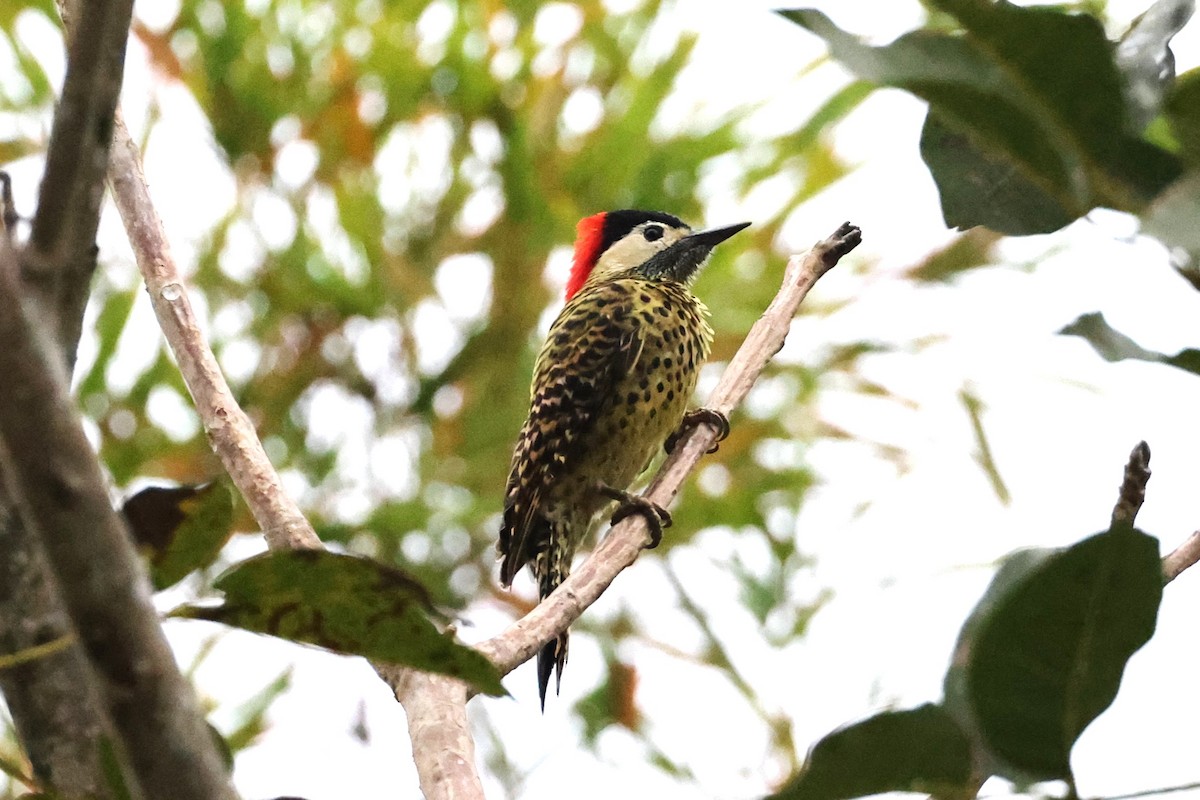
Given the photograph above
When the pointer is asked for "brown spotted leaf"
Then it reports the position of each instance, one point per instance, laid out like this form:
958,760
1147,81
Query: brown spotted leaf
179,528
347,604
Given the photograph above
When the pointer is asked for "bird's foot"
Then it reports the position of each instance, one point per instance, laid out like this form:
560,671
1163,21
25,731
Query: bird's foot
700,416
655,515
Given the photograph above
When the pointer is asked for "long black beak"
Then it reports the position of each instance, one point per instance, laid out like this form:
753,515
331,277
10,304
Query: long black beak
682,260
713,236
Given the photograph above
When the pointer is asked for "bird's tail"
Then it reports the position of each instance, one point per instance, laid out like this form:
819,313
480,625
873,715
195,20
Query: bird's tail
553,655
552,567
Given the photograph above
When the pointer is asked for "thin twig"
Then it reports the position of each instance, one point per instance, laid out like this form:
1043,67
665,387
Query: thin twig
1133,493
229,430
1133,487
443,750
621,546
1183,787
1181,558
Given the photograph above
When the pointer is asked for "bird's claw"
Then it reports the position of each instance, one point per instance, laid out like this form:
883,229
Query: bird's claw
699,416
655,515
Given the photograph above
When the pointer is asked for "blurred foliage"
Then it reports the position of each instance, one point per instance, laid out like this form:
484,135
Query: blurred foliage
424,164
1009,138
179,529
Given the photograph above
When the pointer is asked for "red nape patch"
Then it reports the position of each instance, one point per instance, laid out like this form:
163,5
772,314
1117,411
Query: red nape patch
588,235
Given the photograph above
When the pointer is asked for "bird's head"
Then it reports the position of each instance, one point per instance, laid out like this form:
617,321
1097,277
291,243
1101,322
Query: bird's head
648,244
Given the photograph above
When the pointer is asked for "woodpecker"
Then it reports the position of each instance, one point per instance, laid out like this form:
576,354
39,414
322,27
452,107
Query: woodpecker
610,386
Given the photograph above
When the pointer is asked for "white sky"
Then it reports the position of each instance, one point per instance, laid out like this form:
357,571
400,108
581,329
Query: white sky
905,572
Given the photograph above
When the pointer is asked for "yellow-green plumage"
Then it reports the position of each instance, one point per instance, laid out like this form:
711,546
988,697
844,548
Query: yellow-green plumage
612,382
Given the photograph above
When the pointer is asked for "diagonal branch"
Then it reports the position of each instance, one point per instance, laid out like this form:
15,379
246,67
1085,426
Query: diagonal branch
621,546
230,431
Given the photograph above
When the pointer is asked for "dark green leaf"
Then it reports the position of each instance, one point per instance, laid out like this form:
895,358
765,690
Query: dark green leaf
1043,653
180,528
921,750
1112,345
346,604
1009,85
979,188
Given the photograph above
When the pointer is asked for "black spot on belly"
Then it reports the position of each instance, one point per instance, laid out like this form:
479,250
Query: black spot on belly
631,399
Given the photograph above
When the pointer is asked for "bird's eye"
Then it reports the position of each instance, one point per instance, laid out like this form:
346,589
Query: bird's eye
653,233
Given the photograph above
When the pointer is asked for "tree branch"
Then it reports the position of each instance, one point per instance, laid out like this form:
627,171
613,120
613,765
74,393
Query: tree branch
436,706
1129,502
443,748
54,700
61,493
229,430
58,262
1133,487
1181,558
624,542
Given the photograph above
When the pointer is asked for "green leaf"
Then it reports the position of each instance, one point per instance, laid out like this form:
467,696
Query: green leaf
920,750
968,251
1010,85
979,188
109,324
346,604
1183,114
1112,345
114,775
1043,653
252,715
983,452
180,528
